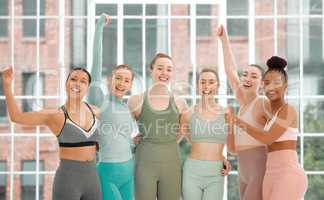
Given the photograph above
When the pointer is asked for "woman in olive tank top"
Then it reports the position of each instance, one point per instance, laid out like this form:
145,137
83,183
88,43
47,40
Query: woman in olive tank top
158,165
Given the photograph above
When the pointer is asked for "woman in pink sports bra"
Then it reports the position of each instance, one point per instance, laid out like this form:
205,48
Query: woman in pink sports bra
251,152
284,177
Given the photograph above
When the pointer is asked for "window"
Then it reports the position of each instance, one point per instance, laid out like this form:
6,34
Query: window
237,27
29,82
3,107
30,25
203,25
3,181
28,182
3,22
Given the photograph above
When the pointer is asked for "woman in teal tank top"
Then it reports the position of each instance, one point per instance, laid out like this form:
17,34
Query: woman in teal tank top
206,129
115,166
157,111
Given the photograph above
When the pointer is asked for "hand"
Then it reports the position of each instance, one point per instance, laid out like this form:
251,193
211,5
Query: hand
221,33
7,75
137,139
229,114
108,19
227,168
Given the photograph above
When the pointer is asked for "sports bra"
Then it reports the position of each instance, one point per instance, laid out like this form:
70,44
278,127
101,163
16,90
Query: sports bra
212,131
290,134
72,135
241,137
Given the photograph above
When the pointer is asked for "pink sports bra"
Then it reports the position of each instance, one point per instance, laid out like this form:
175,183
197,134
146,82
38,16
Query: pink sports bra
241,137
290,134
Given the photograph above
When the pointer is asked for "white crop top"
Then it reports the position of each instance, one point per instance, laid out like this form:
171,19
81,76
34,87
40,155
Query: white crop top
290,134
241,137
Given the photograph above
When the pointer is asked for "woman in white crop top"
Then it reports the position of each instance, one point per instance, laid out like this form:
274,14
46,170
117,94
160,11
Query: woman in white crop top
251,153
284,178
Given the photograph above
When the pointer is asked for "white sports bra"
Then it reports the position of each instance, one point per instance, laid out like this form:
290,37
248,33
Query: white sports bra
290,134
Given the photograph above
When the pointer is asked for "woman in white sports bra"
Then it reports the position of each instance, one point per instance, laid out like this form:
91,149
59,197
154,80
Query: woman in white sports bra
250,152
284,177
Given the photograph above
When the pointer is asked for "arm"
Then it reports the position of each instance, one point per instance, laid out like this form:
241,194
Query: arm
284,120
230,65
15,114
96,94
184,127
230,132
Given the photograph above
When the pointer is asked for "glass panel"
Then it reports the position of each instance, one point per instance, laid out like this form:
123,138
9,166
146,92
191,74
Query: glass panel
264,7
133,9
180,9
76,7
315,185
49,152
110,9
288,7
237,7
238,27
313,7
289,47
4,28
30,7
313,155
133,44
75,43
233,188
180,41
314,116
156,9
313,57
264,39
25,149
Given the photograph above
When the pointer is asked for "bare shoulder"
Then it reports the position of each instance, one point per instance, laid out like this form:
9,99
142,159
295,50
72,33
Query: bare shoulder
181,104
135,103
96,110
186,115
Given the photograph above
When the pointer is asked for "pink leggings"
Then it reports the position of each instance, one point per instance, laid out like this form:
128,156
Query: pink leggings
252,166
284,178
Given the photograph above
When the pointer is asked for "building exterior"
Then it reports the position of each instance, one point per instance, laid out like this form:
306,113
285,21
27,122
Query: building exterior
45,38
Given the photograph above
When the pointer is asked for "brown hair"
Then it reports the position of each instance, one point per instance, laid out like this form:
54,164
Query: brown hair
157,56
79,69
124,66
212,71
258,67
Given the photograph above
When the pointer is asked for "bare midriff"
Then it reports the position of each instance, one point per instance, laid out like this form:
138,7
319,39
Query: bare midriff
87,153
207,151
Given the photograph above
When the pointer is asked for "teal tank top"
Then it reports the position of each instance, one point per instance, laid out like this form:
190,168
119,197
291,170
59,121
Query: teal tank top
213,131
116,122
159,126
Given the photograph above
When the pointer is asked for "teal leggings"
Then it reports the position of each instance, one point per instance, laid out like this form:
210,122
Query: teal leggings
202,180
117,180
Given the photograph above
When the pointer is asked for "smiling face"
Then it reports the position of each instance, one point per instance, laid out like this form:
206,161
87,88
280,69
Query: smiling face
208,84
121,82
275,85
251,79
162,70
77,84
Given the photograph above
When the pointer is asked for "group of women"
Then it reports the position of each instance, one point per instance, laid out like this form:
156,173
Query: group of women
265,143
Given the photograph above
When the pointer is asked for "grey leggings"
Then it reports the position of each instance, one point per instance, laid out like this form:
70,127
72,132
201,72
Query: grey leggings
76,180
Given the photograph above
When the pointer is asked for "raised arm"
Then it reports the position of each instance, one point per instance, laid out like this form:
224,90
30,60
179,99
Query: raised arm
15,114
286,118
96,94
230,64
